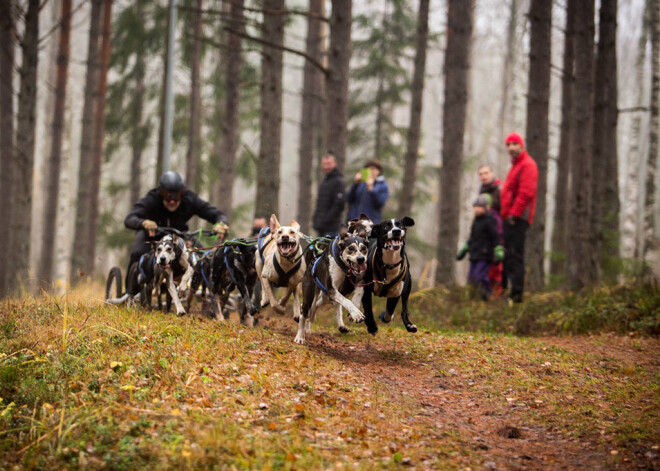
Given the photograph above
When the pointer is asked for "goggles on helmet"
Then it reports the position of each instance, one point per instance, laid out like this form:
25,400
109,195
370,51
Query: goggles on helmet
170,195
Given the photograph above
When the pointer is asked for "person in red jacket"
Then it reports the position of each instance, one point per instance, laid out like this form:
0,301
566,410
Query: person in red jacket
518,202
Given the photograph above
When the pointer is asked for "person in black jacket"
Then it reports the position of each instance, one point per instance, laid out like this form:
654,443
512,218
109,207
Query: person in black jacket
483,245
330,199
169,205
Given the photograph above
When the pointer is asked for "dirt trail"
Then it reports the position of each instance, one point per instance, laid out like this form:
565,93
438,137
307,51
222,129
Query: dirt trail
448,403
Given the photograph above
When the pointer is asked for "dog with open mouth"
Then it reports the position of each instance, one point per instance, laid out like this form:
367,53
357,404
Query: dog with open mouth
388,273
172,269
333,275
280,264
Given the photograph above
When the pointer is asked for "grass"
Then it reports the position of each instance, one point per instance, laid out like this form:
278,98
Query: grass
621,309
88,385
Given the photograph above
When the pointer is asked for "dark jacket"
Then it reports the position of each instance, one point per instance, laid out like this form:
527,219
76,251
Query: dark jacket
361,200
150,206
329,203
493,189
483,238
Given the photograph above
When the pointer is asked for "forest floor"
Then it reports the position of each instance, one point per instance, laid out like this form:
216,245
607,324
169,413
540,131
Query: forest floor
87,385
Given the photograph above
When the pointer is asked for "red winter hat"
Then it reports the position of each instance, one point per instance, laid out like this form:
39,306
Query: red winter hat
515,137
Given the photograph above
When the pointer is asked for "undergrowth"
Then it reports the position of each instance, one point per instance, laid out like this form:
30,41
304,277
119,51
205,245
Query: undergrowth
621,309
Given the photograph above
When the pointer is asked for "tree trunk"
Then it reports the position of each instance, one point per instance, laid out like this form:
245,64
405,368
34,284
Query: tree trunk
507,82
7,161
457,72
337,78
605,206
79,264
579,239
95,180
138,133
558,260
268,174
309,123
650,224
230,127
380,117
45,271
160,162
25,139
632,217
414,127
538,99
195,130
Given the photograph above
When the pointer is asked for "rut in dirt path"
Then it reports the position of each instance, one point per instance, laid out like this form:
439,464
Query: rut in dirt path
448,404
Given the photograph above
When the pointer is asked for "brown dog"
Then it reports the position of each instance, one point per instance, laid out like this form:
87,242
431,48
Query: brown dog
280,263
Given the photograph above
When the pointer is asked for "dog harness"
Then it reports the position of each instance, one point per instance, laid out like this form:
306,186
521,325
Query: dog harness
342,266
284,276
140,263
232,276
380,272
260,241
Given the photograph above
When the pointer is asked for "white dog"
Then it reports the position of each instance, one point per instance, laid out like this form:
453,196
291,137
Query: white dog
279,263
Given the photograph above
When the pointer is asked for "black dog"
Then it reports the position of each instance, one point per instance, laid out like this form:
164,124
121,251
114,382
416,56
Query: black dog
388,273
226,268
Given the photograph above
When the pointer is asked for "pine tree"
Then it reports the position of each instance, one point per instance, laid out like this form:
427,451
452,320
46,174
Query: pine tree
414,129
268,177
382,80
457,72
538,103
578,248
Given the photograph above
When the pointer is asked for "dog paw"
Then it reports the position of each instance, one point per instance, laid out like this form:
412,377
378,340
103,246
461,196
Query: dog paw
411,328
300,340
181,313
372,330
266,304
296,319
278,309
384,317
356,317
343,329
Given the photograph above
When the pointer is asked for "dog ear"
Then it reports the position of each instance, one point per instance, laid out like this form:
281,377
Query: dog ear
295,225
364,217
343,231
407,221
377,230
274,224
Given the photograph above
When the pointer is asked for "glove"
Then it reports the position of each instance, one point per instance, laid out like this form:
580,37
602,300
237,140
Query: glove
499,253
150,226
465,248
221,229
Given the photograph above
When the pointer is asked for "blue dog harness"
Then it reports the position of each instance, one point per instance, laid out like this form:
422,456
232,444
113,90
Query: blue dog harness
260,241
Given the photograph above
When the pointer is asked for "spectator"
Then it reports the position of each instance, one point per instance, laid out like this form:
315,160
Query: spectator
330,199
258,223
492,186
484,247
368,193
518,200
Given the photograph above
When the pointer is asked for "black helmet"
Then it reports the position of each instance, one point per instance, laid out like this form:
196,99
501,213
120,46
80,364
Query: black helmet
171,182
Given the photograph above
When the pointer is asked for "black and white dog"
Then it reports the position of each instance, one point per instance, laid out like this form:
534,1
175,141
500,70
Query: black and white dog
361,226
229,267
388,273
172,269
335,274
